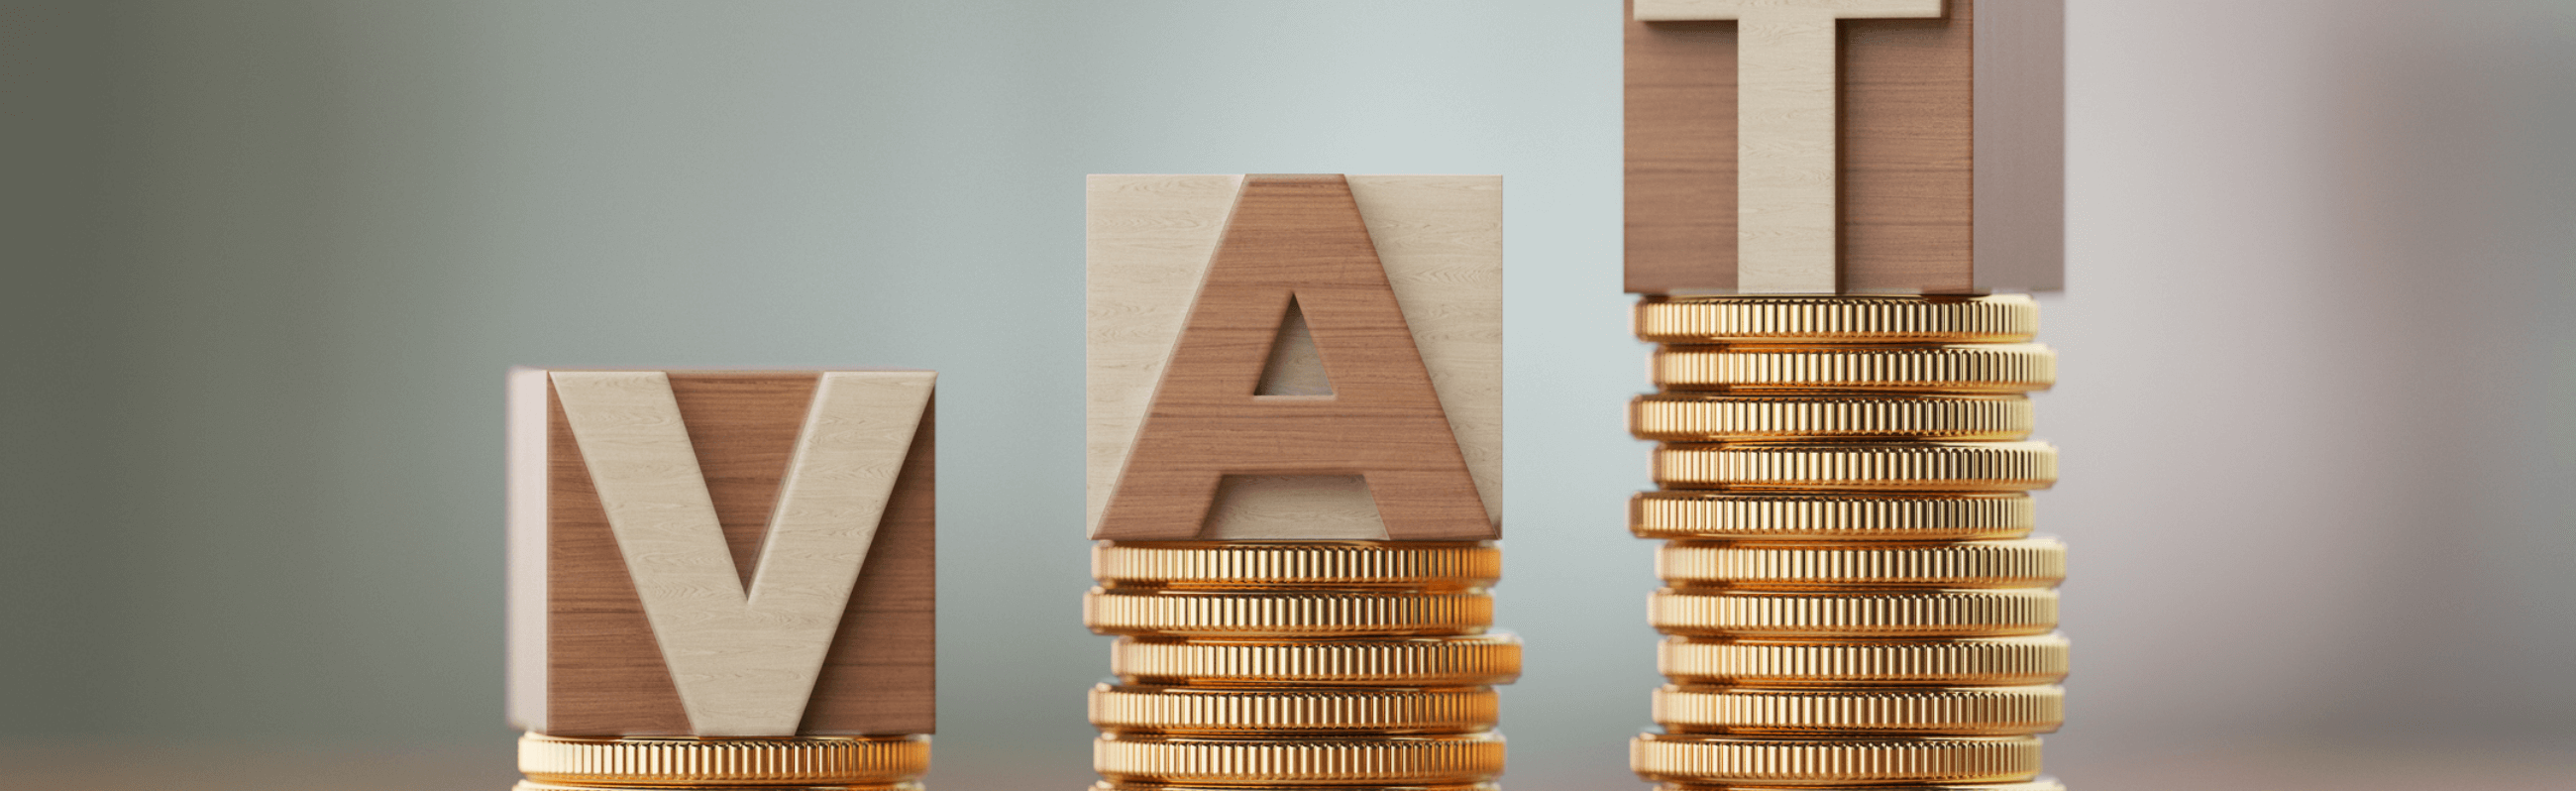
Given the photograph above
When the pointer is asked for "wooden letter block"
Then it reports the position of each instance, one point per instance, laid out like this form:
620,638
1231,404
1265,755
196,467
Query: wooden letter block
1295,357
721,553
1845,146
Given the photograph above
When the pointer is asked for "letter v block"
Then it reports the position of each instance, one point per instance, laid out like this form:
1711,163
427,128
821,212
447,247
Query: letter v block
721,553
1295,357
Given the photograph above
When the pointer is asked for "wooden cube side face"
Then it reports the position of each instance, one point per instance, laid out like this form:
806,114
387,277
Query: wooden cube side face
586,657
1950,151
1294,357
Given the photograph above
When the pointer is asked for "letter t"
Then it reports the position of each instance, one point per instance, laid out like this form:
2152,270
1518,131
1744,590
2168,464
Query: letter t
1785,130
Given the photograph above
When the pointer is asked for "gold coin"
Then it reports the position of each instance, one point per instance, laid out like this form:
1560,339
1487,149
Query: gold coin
2016,563
1889,466
1469,660
1947,711
2022,660
1256,710
1284,614
681,760
1730,417
2001,318
1744,760
1988,368
1415,564
907,785
1829,517
1382,760
2042,784
1869,614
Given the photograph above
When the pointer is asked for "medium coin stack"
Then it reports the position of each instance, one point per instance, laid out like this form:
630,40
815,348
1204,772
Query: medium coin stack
799,763
1350,665
1853,597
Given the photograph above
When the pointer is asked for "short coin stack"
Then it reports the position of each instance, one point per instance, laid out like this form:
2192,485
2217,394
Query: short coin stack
1853,595
1349,665
801,763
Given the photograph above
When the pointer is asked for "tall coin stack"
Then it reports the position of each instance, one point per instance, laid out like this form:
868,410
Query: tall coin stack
1854,598
1295,403
1828,203
1280,664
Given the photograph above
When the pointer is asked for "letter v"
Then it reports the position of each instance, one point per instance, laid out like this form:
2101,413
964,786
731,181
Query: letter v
744,661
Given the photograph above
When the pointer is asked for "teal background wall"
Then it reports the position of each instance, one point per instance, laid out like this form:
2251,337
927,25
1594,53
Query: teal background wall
265,262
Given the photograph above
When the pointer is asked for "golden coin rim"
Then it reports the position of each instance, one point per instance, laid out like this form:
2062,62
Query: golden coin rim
668,760
1392,760
1122,611
1435,661
2019,660
1814,761
1273,564
1827,370
1949,711
1845,318
2035,561
1853,466
1681,514
1971,612
1698,416
1255,710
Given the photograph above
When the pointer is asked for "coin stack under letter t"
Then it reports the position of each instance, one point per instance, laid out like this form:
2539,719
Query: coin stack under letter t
1294,462
721,579
1825,200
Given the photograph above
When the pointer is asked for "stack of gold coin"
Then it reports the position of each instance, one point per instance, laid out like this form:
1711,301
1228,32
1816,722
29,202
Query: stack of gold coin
799,763
1853,595
1351,665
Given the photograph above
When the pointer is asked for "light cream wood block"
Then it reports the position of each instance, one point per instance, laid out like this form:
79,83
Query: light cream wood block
740,512
1437,240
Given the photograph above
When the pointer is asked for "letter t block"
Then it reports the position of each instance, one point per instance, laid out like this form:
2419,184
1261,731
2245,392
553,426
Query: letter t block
1845,146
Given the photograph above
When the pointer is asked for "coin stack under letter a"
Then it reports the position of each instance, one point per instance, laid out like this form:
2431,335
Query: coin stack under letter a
721,579
1823,199
1294,459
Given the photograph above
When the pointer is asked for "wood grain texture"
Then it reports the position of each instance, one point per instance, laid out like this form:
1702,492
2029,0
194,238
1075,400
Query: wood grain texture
815,475
1147,243
1438,242
1786,131
1680,160
1913,207
1908,191
1293,508
1300,238
2021,146
1440,239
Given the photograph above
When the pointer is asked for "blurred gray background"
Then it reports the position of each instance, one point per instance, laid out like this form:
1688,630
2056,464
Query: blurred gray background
265,263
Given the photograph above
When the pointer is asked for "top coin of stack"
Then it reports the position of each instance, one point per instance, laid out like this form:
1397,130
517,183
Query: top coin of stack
1853,594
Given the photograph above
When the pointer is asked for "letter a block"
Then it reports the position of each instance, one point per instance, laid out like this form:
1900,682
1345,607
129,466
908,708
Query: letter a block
1845,146
1295,357
705,553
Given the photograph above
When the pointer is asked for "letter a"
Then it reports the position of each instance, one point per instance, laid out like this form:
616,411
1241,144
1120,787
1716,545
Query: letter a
1300,238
